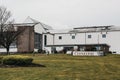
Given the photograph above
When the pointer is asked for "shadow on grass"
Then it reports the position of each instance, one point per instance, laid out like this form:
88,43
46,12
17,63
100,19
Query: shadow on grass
14,66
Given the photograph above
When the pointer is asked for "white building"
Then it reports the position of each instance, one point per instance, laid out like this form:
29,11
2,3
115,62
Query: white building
31,38
95,38
101,38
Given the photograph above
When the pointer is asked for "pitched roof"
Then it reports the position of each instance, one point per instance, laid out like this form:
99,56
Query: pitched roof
30,20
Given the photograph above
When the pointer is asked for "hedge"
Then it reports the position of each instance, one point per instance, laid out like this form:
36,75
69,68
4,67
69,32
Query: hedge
1,59
16,60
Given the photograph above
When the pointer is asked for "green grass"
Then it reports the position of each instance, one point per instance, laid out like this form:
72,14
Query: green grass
66,67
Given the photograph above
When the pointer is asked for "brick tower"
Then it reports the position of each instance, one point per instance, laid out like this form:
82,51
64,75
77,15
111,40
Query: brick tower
25,42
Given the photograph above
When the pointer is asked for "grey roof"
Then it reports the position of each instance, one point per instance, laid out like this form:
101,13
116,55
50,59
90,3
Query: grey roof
95,29
86,29
24,24
30,20
58,31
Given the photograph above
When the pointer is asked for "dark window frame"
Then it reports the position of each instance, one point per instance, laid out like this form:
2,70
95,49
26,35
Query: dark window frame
73,37
60,37
89,36
103,35
45,40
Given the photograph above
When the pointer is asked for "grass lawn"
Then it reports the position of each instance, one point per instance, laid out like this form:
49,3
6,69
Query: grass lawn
66,67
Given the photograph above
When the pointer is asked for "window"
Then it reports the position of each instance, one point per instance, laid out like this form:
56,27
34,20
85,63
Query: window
82,48
103,35
98,48
38,41
45,40
60,37
89,36
73,37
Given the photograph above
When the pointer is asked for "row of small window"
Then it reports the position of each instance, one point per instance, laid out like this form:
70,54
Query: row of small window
103,36
60,37
89,36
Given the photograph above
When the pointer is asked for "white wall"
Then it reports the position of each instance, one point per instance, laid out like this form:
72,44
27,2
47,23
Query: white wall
112,39
11,50
66,39
49,40
39,29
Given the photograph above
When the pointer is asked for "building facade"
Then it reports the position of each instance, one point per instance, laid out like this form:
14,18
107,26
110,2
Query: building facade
30,39
96,38
39,36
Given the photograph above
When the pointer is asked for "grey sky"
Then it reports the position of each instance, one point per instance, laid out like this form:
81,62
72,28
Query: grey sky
66,13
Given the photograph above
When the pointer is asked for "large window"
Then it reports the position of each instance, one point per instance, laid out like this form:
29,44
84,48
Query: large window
98,48
38,41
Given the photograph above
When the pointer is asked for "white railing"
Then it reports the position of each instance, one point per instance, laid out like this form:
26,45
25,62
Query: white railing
88,53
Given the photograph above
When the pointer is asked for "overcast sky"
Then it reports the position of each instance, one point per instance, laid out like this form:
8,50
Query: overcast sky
61,14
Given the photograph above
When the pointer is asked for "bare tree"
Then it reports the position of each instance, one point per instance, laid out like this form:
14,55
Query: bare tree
8,32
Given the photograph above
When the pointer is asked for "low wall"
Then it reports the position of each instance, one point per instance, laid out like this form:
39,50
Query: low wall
3,50
69,52
88,53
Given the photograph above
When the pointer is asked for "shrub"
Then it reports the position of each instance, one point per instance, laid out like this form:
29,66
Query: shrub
1,59
17,60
